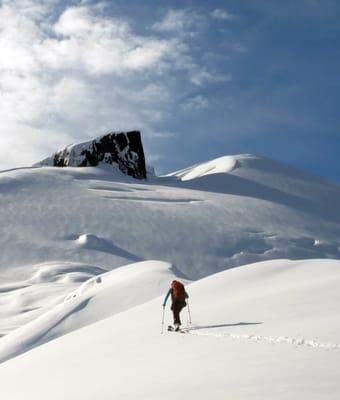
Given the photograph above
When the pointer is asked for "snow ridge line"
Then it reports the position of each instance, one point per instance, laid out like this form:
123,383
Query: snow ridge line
274,340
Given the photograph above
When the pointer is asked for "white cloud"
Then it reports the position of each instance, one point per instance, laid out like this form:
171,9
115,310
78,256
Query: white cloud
174,20
202,76
56,89
196,103
180,22
100,45
85,41
17,33
221,14
35,10
77,73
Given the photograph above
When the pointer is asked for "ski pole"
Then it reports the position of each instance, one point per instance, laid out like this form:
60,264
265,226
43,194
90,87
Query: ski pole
189,312
163,320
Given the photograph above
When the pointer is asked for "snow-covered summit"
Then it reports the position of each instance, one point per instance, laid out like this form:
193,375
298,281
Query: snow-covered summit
219,165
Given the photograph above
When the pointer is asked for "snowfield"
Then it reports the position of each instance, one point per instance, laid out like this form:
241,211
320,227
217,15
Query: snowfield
257,210
101,296
265,330
81,287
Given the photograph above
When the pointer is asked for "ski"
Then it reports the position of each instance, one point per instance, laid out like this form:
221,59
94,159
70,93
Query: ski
172,329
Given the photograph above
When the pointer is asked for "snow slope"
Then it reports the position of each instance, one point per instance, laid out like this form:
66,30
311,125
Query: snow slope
80,312
97,298
259,210
224,213
262,331
24,301
219,165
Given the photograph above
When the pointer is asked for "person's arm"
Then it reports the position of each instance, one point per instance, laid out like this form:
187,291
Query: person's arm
166,297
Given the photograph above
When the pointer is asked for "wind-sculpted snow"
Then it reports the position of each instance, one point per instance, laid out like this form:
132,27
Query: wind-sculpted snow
228,212
255,210
24,301
90,241
286,346
101,296
83,313
220,165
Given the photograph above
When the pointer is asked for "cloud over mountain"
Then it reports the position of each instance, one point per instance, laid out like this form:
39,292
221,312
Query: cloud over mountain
71,72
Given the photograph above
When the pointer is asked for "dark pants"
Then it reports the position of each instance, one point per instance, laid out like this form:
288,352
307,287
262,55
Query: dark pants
176,308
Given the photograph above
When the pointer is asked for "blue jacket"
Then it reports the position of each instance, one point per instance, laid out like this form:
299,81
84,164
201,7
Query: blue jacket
166,297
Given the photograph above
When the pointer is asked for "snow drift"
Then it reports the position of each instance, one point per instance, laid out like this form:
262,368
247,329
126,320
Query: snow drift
97,298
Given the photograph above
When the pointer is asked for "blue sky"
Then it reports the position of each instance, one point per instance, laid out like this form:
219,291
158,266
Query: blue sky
199,79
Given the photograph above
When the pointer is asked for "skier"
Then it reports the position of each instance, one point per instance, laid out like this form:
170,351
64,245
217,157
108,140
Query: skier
178,297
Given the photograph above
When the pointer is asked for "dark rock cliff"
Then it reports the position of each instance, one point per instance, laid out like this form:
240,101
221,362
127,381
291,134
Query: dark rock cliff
122,148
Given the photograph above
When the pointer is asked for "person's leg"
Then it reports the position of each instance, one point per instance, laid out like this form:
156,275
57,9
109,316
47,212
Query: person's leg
176,309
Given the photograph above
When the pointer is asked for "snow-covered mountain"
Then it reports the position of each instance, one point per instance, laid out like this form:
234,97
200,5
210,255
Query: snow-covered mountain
76,246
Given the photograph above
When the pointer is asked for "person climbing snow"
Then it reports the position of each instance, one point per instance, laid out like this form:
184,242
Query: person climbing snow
178,298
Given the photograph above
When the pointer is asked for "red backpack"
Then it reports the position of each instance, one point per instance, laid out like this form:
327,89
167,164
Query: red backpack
178,291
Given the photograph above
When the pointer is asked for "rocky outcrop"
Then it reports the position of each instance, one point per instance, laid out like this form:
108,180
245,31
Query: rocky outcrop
124,149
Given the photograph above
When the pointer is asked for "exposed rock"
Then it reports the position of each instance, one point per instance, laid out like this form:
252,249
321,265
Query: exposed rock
124,149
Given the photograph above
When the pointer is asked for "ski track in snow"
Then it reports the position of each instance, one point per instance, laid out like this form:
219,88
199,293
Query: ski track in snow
269,339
